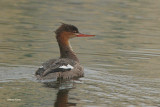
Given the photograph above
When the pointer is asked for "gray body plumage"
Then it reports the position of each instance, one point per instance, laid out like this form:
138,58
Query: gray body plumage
51,69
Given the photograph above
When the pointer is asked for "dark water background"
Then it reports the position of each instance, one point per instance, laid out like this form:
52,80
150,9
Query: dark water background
122,63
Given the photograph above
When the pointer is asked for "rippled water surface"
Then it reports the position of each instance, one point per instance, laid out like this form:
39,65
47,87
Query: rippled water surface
122,63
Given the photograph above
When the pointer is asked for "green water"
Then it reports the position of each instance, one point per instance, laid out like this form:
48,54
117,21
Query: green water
121,63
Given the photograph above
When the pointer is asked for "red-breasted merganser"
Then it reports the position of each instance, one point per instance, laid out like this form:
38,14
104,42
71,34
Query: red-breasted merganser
67,66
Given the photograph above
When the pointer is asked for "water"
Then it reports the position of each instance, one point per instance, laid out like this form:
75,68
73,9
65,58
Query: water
121,62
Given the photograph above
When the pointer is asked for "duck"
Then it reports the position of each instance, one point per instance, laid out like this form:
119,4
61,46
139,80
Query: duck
67,66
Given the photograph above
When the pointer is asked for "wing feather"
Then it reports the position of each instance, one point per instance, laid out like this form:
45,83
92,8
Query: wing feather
60,65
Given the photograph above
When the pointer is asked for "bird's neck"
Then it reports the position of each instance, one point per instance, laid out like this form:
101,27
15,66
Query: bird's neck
66,49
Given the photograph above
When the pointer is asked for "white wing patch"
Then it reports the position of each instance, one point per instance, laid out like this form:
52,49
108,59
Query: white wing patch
41,67
66,67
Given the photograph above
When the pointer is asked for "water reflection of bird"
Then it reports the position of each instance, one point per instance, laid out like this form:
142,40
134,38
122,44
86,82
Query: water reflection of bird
67,66
63,88
62,99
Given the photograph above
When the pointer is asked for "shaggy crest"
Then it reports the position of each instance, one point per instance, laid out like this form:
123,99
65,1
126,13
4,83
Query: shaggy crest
67,28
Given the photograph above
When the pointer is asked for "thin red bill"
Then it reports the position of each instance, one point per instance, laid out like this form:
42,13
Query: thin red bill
83,35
